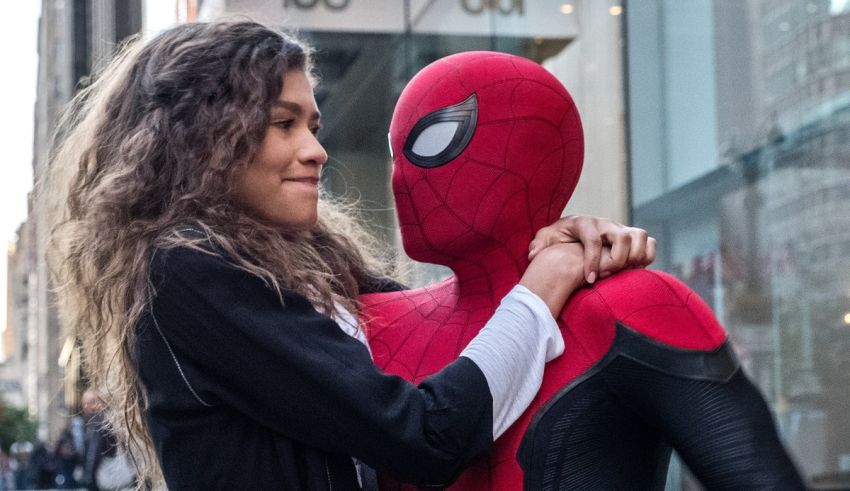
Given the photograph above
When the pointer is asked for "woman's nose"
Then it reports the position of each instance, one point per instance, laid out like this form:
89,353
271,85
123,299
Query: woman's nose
312,152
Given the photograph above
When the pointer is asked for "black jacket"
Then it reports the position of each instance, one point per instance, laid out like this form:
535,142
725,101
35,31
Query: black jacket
247,393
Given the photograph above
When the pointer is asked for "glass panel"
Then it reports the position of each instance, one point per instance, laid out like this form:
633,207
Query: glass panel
739,125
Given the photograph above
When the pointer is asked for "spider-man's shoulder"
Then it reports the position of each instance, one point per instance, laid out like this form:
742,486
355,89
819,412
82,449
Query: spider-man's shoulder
651,302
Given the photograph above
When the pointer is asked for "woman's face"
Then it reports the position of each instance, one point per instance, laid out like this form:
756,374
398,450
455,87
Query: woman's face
282,185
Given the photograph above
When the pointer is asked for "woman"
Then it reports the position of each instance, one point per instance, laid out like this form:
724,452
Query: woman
214,293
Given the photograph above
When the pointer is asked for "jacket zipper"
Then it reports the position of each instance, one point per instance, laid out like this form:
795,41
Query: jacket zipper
328,473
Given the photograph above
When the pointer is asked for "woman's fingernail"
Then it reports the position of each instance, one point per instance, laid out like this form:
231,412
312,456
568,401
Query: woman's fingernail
591,277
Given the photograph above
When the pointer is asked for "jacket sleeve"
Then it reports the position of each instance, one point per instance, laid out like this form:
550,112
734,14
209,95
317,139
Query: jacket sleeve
294,371
379,284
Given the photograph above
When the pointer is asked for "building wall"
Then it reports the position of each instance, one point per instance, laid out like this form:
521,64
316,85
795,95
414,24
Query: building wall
10,367
43,377
591,67
73,35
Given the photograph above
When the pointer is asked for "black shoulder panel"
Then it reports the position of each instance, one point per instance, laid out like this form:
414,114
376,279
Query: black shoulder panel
586,435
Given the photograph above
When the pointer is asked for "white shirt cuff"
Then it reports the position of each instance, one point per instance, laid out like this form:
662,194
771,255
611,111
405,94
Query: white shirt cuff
512,350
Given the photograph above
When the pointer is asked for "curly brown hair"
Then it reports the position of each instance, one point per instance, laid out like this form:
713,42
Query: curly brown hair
149,151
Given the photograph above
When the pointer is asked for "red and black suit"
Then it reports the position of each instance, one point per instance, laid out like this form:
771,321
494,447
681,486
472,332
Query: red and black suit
488,148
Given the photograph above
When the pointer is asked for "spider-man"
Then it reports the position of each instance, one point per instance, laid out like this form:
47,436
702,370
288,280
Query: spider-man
487,150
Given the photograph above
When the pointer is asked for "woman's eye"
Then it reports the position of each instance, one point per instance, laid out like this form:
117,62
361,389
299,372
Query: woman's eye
285,124
315,129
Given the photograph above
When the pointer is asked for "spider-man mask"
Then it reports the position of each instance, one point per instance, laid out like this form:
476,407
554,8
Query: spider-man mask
487,148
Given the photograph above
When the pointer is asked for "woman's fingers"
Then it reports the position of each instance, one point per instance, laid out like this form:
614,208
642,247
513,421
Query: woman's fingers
649,258
621,247
587,231
637,253
630,247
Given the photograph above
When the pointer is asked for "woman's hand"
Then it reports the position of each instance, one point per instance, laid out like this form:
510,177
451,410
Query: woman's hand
627,247
555,273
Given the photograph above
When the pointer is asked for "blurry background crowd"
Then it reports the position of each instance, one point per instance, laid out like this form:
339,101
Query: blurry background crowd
84,455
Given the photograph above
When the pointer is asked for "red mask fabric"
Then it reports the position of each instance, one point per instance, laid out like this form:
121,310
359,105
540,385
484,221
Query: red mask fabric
487,148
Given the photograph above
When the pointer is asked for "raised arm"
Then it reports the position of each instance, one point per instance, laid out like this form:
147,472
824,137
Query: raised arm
294,371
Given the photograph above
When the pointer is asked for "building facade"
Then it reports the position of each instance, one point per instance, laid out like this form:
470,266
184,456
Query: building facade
74,37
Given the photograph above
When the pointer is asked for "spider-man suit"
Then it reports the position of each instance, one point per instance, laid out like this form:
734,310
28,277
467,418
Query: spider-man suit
487,150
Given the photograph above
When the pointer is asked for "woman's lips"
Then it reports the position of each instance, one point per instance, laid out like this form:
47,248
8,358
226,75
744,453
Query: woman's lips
312,181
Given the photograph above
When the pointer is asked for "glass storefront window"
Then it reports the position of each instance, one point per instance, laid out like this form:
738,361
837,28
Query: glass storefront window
739,131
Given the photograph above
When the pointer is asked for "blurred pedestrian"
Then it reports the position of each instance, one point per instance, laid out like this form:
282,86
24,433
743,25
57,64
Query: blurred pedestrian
7,476
98,441
67,457
42,466
21,454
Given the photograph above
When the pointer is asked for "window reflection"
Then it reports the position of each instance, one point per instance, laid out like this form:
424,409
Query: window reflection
751,196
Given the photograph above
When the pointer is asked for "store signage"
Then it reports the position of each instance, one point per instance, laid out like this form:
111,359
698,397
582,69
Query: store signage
470,6
503,7
519,18
311,4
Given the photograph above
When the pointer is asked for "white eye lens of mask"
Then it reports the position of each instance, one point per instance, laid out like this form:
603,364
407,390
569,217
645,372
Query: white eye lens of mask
435,138
442,135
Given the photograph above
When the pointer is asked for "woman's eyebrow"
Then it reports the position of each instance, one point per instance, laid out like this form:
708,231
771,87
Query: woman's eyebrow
286,105
294,107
